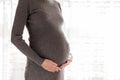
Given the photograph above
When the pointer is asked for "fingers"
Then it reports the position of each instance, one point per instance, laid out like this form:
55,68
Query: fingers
54,68
69,60
64,65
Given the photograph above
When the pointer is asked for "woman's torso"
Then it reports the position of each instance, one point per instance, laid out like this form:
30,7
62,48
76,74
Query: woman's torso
44,26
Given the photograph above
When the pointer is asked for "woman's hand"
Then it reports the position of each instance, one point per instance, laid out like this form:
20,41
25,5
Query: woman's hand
50,66
69,60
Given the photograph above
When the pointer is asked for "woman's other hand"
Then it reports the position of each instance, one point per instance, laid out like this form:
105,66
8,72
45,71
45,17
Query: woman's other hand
50,66
69,60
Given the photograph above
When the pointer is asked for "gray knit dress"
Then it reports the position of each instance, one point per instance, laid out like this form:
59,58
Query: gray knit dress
43,19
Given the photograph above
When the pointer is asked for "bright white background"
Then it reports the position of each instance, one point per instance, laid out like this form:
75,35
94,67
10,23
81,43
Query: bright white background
92,28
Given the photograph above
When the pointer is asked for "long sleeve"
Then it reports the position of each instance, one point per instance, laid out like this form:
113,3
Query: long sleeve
20,20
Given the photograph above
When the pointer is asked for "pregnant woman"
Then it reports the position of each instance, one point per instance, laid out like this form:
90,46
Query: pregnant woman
48,51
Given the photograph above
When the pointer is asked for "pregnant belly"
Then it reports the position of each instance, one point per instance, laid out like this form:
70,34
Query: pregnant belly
52,47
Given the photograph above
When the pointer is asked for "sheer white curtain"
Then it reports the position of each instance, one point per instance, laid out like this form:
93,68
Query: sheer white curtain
92,28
